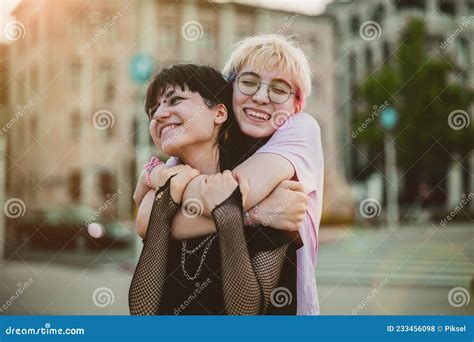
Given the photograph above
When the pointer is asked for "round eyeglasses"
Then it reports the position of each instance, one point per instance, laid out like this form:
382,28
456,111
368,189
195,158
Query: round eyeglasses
278,91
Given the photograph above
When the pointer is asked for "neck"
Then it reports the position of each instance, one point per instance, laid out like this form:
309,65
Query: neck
202,157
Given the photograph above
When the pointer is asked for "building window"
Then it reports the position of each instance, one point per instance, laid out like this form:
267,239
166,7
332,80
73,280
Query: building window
355,26
470,8
35,80
379,14
352,72
74,185
107,184
3,83
386,51
410,4
106,81
76,126
368,59
75,76
447,7
34,128
464,52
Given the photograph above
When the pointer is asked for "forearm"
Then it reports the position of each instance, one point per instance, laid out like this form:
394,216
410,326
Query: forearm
148,280
259,175
242,291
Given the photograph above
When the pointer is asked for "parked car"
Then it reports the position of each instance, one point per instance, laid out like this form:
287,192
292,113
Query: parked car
67,228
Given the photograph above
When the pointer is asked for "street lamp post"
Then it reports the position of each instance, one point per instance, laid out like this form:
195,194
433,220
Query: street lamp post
389,120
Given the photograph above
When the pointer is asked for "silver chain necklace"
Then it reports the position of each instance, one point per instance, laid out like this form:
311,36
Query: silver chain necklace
184,251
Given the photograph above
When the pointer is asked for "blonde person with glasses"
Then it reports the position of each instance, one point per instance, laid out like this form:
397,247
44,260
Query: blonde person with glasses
271,81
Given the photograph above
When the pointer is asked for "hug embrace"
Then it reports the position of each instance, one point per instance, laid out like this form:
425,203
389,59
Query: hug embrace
230,221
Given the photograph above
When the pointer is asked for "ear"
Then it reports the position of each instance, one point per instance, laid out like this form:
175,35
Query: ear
221,114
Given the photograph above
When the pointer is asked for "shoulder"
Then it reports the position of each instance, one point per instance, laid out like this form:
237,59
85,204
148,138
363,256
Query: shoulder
300,126
304,121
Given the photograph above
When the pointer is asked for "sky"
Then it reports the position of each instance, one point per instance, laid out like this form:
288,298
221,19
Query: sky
310,7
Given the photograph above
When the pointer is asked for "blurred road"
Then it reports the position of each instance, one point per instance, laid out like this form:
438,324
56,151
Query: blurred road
409,271
404,271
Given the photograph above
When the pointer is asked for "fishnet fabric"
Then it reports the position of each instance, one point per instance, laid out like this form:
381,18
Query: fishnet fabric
248,274
147,282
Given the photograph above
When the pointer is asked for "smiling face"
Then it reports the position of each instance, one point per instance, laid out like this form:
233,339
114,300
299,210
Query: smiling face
258,116
182,120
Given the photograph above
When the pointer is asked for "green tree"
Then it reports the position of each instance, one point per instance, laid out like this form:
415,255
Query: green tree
421,87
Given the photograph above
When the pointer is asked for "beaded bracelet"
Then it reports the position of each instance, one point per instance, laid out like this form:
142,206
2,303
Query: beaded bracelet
154,161
247,219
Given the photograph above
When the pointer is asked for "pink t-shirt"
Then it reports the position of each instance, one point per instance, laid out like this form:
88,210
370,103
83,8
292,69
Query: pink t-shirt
299,141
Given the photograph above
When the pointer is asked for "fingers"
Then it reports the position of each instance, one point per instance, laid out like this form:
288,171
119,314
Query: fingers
300,197
169,172
292,185
141,190
181,180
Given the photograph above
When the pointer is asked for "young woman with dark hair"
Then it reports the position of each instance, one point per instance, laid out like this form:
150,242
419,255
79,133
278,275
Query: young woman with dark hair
237,270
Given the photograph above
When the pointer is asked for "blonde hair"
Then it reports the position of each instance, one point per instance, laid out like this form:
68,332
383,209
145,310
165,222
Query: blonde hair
270,51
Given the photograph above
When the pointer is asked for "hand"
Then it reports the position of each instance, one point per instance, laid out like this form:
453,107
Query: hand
142,187
284,208
217,188
158,177
183,174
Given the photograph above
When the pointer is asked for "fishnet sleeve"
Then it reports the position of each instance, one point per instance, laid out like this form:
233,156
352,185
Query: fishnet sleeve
248,280
147,283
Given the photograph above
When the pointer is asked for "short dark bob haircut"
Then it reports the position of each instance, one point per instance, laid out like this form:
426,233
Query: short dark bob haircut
214,89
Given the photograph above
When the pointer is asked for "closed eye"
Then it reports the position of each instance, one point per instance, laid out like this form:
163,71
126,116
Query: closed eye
175,100
280,91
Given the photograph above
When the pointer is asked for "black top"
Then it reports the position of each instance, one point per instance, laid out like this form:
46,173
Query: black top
247,270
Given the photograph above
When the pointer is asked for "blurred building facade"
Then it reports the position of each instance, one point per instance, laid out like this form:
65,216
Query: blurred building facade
4,117
83,135
358,57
